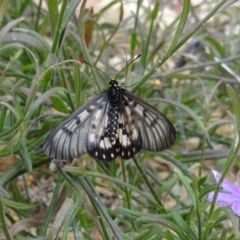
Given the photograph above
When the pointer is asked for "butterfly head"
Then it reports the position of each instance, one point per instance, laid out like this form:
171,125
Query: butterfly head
113,83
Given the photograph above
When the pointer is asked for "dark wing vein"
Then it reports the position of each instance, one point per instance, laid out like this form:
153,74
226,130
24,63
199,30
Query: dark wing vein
69,139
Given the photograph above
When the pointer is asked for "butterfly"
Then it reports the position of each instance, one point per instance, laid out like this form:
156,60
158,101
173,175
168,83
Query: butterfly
113,123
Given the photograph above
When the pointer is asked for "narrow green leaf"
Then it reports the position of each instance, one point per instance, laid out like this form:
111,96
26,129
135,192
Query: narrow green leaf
7,28
155,11
41,99
53,15
133,42
77,81
185,182
12,109
217,45
61,217
169,235
3,111
18,205
167,223
182,224
59,104
68,14
23,151
191,113
38,36
3,224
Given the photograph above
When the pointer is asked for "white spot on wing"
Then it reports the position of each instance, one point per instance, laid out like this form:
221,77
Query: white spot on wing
102,144
139,110
135,134
128,110
125,140
120,135
107,142
83,115
98,114
106,121
91,138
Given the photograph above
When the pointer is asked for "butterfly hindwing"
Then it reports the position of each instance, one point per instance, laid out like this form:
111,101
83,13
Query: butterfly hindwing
102,148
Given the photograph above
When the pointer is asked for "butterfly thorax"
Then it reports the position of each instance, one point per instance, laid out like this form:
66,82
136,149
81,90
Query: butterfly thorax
113,94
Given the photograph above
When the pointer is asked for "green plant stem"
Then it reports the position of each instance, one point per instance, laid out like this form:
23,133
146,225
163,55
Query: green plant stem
112,35
100,217
197,204
200,65
80,25
66,86
149,35
3,8
56,28
77,204
3,224
38,15
126,190
102,209
52,205
141,170
57,31
2,117
94,198
119,182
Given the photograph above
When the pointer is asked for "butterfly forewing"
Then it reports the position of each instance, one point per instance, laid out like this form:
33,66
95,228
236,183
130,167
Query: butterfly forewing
157,132
71,138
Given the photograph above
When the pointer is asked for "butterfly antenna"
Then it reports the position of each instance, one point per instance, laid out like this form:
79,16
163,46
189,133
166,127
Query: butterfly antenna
119,71
138,56
97,69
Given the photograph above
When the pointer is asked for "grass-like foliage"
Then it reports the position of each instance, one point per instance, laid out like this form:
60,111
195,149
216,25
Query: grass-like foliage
189,70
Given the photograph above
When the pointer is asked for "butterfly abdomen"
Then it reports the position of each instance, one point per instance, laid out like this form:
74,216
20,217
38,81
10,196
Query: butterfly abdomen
112,125
113,94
